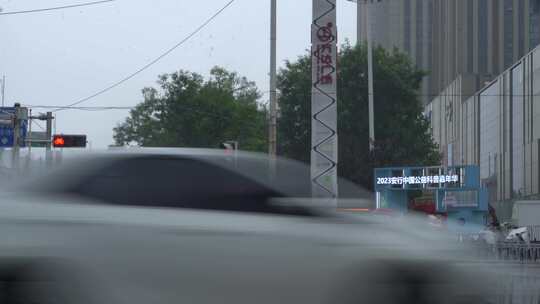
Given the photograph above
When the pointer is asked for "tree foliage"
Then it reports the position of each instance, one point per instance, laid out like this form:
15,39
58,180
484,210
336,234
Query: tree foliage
402,133
189,111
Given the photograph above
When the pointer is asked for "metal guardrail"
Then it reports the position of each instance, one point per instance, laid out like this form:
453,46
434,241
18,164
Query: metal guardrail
505,251
534,233
522,252
509,252
525,251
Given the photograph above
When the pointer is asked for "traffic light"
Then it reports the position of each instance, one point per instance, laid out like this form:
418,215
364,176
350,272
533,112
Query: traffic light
69,141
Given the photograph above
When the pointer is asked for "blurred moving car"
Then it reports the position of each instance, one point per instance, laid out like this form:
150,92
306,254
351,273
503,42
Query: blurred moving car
200,226
518,235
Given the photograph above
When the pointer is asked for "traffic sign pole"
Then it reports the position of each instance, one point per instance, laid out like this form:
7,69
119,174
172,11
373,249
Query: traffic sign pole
29,144
16,136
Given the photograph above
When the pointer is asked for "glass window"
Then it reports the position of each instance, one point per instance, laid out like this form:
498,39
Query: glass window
482,36
534,23
462,198
508,32
429,36
470,36
521,29
420,40
407,21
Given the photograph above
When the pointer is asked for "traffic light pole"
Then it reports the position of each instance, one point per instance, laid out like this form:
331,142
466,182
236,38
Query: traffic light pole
48,117
48,145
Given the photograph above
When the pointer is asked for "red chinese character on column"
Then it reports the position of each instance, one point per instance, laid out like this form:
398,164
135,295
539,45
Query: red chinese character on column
327,79
325,48
326,59
321,50
324,33
326,74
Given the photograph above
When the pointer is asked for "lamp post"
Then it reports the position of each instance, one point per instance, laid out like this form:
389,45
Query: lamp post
364,4
273,94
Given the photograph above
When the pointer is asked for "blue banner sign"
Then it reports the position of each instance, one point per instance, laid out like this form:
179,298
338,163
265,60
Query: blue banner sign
7,127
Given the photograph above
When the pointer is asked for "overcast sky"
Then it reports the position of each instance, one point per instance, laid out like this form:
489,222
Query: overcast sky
58,57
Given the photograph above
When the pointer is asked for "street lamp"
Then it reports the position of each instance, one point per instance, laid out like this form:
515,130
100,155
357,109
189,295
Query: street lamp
272,128
370,69
272,140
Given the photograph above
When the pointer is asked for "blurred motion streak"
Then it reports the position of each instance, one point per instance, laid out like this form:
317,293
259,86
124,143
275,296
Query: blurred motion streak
197,226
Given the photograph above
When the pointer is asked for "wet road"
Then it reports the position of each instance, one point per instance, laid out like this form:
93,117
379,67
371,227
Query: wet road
517,284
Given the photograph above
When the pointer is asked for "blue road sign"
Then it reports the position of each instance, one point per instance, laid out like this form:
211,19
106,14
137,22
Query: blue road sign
6,130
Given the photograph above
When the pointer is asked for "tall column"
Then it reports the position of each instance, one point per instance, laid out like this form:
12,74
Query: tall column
324,140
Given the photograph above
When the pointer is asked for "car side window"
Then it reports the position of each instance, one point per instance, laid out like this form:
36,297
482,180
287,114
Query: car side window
176,182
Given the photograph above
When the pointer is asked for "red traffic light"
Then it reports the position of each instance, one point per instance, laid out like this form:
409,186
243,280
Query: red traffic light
59,141
69,141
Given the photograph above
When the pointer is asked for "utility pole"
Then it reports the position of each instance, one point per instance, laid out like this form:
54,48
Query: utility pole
361,13
370,80
272,140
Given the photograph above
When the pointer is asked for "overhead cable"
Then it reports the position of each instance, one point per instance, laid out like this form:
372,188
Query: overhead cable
146,66
55,8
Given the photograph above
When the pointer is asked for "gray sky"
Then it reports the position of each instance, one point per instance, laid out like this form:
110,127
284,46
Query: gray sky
58,57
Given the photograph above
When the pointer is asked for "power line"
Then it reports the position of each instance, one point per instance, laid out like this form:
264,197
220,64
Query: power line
56,7
104,108
471,95
98,108
189,109
81,107
146,66
476,95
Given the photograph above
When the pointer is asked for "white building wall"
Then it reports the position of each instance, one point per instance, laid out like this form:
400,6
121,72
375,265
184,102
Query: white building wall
498,129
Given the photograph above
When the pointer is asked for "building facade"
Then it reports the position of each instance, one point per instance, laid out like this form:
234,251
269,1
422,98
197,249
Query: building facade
402,24
480,37
448,38
497,128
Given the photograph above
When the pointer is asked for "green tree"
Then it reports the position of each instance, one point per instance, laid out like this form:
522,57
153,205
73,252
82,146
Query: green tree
402,133
189,111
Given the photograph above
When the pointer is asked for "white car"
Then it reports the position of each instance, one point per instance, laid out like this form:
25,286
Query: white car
518,235
200,226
